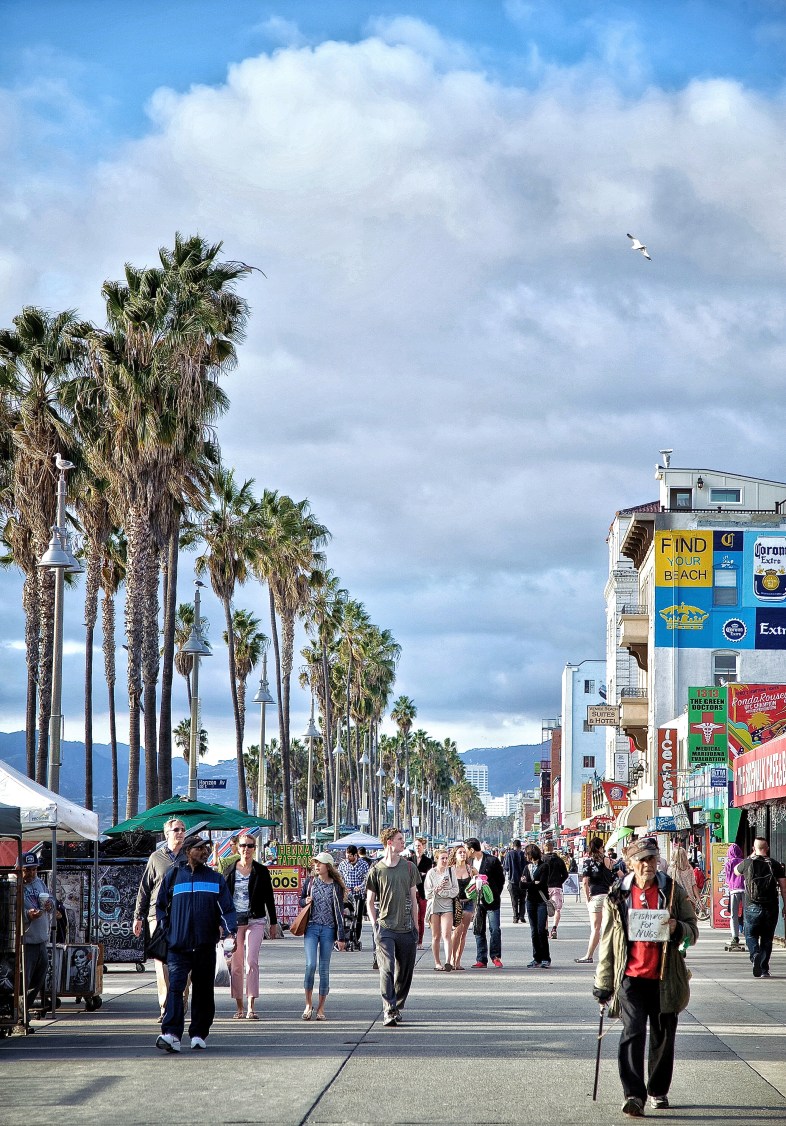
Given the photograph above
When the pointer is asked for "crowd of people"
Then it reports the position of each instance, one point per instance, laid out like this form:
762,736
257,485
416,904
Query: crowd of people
641,910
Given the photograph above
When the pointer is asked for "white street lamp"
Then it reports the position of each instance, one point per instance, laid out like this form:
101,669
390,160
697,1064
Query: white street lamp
337,752
197,648
381,774
263,698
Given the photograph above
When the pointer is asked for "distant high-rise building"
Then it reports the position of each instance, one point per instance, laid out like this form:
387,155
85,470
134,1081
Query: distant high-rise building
477,774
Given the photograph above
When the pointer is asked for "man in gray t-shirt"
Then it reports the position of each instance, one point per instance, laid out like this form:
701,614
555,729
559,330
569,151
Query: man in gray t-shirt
37,921
392,902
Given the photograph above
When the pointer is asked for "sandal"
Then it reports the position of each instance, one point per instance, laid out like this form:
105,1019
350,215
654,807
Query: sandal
238,1015
252,1016
321,1016
438,968
307,1013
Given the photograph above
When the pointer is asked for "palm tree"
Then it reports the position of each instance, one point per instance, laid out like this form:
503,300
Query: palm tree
287,556
403,714
249,644
184,662
37,357
182,736
228,529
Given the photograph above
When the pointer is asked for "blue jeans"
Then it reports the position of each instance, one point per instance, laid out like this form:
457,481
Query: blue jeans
318,938
760,924
495,936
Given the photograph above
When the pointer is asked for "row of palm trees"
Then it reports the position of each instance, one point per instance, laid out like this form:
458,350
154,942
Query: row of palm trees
134,405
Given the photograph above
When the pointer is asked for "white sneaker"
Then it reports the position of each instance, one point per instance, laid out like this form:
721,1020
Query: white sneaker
197,1042
166,1042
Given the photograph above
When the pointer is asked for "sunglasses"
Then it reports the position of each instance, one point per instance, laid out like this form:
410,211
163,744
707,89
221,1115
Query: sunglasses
246,846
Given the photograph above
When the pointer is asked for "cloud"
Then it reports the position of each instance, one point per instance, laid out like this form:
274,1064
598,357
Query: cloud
454,354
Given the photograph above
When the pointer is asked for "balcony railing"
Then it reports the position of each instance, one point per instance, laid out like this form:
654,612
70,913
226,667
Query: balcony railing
637,611
633,693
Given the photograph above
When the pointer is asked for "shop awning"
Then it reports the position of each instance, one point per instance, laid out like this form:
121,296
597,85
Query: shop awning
635,815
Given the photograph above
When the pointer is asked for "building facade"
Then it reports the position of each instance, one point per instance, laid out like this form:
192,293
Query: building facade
582,748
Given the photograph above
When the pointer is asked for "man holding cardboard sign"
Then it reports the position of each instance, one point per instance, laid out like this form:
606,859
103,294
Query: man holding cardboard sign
642,974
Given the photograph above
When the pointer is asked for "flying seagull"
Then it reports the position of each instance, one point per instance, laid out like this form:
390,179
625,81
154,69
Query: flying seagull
636,245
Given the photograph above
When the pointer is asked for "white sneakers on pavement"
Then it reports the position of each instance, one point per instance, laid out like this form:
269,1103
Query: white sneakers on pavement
197,1042
166,1042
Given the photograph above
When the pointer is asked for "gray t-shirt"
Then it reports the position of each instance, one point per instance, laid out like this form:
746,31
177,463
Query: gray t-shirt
391,886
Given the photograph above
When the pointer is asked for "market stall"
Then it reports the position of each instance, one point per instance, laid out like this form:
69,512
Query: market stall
49,817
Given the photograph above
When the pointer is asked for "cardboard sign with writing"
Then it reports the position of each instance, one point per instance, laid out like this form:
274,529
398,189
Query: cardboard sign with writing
648,926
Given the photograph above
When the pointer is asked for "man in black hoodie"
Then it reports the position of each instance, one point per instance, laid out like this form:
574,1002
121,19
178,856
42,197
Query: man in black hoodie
513,866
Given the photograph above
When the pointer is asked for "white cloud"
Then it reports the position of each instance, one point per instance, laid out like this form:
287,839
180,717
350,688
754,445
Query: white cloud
454,355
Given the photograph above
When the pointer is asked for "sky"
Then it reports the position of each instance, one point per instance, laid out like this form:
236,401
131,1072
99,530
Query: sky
454,354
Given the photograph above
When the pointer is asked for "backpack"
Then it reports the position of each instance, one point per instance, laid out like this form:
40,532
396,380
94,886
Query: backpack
761,887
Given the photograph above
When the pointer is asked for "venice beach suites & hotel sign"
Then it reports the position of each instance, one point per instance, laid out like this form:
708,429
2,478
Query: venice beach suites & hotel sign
760,774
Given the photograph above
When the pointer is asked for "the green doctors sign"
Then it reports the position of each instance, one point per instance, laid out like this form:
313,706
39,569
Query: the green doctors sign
707,735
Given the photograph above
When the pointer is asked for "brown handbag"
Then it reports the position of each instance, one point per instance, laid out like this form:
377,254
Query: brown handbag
298,925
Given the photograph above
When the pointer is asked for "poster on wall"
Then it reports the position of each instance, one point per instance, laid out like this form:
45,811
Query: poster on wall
707,739
720,913
757,714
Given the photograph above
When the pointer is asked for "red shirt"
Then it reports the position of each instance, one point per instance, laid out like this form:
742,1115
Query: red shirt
644,958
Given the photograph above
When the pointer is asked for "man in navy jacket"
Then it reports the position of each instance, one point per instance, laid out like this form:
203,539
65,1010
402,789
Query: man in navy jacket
195,910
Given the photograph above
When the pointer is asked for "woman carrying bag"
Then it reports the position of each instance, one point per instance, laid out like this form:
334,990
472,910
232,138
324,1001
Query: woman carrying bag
441,888
463,908
324,893
251,889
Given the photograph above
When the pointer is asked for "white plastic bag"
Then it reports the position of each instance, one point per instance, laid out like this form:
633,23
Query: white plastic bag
222,967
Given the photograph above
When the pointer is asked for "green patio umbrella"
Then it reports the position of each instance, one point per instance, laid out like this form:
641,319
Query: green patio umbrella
190,813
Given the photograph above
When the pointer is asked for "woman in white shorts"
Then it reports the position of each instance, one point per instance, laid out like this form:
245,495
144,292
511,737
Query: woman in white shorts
596,879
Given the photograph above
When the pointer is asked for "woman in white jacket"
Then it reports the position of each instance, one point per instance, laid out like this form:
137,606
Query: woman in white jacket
441,888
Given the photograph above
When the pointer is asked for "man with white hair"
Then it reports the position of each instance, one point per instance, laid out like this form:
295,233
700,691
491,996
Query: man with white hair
162,860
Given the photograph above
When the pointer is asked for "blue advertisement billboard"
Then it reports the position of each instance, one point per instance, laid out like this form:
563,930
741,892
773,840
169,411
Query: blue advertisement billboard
720,589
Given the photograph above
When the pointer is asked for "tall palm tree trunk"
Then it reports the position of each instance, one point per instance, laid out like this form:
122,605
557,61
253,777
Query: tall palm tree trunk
328,731
46,603
286,815
32,651
92,583
108,630
168,670
242,797
138,533
150,673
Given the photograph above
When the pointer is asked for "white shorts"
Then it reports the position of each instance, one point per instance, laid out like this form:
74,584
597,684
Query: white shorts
595,903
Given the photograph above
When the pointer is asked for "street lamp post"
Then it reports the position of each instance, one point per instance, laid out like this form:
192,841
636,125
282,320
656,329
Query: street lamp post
381,775
197,648
263,698
337,752
312,733
58,558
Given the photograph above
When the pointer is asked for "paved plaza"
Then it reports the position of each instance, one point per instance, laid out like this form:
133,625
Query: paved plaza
494,1046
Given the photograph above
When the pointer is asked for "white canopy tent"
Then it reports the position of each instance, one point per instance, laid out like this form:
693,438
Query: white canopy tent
42,812
48,816
357,839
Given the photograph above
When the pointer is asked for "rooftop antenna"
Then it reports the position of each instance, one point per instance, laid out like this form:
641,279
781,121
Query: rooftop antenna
666,455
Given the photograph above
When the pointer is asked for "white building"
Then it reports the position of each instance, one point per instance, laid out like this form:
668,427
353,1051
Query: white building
500,807
710,564
477,774
583,749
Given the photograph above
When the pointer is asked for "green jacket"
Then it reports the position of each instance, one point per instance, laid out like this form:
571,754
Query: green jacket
614,950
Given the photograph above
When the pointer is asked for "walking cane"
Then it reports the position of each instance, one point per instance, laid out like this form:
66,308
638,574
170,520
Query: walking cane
597,1057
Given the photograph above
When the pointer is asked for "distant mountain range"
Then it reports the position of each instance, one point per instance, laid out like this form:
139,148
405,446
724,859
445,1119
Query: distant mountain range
510,769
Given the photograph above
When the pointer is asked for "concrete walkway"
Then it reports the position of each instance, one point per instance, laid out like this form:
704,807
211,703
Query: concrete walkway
494,1046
